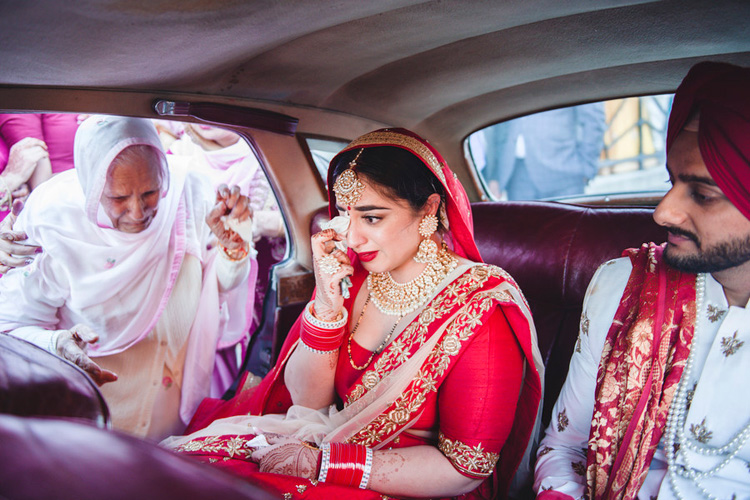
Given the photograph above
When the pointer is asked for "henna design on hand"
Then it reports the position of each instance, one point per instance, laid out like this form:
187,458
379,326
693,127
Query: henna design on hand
291,459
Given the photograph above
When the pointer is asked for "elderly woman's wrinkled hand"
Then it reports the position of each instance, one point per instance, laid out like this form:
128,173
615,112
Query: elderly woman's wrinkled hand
230,204
331,265
12,253
287,455
72,345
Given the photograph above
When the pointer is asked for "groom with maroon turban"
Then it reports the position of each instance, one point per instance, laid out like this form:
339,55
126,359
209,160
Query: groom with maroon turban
657,399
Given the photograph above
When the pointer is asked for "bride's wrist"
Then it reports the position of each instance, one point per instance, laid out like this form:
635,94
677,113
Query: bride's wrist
323,313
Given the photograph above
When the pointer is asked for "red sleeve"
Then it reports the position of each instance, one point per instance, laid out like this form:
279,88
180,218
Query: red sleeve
477,401
16,126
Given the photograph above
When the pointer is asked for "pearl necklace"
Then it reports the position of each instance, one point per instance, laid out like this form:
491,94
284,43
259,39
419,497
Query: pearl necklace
675,430
400,299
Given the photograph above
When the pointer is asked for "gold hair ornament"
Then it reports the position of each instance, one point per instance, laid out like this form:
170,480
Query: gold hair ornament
347,187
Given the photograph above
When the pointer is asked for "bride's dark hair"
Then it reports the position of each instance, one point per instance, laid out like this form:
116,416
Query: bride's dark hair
395,171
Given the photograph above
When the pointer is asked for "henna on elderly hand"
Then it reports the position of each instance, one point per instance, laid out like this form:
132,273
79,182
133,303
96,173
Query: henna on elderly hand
291,459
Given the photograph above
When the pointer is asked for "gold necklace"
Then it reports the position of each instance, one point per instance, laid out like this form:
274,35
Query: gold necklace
376,351
400,299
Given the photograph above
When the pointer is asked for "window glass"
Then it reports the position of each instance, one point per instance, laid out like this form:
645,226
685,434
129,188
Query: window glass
322,151
226,158
608,147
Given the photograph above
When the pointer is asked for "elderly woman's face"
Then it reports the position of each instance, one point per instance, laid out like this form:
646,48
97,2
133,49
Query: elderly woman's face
132,192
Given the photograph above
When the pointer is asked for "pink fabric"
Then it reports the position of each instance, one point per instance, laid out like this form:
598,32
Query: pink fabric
3,164
720,92
56,129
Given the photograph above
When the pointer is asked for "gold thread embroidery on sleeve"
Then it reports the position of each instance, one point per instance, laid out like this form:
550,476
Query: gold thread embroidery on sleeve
471,460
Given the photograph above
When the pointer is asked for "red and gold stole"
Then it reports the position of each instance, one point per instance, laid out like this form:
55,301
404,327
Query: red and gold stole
459,311
642,362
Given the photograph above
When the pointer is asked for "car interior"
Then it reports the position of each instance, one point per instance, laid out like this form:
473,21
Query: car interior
298,80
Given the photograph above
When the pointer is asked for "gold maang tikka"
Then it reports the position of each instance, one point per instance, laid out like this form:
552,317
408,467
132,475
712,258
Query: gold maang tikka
347,187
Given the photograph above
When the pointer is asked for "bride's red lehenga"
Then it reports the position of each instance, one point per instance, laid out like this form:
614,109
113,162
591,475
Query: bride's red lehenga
474,393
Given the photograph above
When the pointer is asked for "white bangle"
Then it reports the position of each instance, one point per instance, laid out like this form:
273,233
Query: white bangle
325,325
317,351
324,462
52,346
367,470
6,198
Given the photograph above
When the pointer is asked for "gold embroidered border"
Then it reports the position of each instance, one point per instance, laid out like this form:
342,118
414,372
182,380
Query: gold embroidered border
461,328
233,446
474,461
415,333
406,141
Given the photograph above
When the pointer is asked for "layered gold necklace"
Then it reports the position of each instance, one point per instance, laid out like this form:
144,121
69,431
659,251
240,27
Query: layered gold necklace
400,299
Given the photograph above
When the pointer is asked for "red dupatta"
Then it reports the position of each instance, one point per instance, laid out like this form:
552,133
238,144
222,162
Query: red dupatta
642,361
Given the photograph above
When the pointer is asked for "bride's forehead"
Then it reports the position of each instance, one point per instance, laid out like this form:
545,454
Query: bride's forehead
377,194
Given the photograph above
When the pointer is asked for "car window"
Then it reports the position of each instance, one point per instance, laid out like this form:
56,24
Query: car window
322,151
608,147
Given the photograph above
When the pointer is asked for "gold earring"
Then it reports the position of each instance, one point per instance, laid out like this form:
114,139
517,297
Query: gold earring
428,249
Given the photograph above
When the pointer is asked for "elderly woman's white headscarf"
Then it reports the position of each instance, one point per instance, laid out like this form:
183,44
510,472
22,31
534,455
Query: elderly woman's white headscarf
98,142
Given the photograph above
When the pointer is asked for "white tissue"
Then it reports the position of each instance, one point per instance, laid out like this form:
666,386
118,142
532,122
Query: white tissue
243,228
340,224
258,441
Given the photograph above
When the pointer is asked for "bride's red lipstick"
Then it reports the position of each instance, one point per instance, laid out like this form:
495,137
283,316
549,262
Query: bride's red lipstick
367,256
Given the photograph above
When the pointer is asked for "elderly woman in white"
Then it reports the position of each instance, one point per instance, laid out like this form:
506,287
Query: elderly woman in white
131,284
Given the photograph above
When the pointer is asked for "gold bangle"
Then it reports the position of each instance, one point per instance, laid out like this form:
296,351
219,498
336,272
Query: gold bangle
234,255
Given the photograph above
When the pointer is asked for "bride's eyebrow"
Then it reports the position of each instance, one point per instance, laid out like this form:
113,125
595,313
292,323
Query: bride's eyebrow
367,208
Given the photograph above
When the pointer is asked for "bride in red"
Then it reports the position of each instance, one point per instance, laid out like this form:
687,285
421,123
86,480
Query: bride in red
425,381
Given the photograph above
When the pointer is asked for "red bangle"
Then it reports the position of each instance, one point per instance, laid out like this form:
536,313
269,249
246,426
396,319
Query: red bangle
319,339
346,464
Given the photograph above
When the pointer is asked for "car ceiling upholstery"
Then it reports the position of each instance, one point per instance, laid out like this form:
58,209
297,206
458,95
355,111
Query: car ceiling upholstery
442,68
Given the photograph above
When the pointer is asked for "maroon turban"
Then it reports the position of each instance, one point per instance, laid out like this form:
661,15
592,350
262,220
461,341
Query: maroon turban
721,92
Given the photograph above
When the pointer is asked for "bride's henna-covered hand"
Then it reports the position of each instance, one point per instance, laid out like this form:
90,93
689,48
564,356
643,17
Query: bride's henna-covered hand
331,266
287,455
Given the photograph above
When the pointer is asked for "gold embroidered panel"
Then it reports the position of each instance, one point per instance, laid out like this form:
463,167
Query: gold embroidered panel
473,306
473,461
231,446
397,139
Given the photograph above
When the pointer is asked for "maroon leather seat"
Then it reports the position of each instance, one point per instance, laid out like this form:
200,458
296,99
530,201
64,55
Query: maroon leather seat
34,382
55,458
552,250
